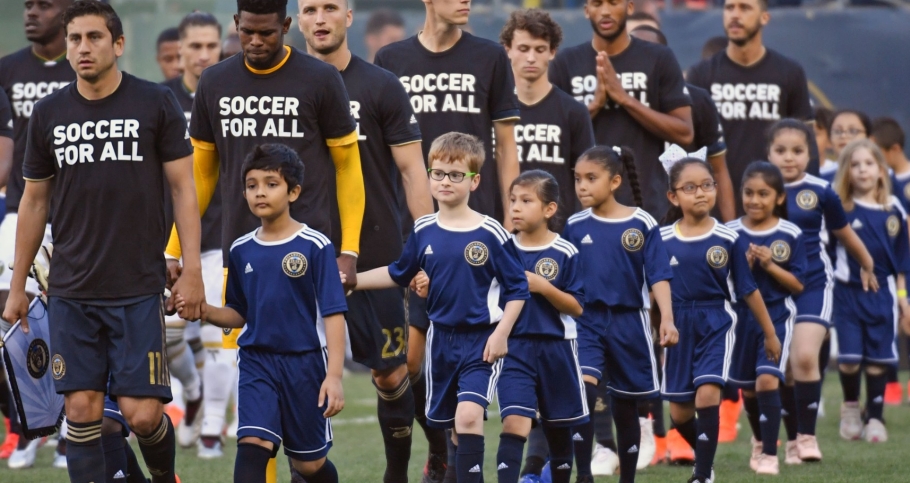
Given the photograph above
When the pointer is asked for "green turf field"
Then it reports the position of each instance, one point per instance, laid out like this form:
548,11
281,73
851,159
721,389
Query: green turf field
358,452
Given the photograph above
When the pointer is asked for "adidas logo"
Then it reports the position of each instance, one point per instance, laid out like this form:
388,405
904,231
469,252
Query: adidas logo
878,400
673,262
119,475
502,466
762,419
429,250
564,466
812,406
474,469
703,437
413,119
248,269
587,240
633,449
577,437
857,224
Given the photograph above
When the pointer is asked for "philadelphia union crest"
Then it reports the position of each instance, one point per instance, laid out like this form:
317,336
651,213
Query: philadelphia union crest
476,253
633,240
807,199
546,268
780,251
717,256
294,264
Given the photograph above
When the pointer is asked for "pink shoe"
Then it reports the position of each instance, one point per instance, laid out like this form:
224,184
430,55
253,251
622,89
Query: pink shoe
807,448
792,455
768,465
756,454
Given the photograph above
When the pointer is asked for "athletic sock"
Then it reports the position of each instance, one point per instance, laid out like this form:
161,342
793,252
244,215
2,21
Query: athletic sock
687,430
218,377
603,418
134,469
892,373
326,474
656,408
583,434
538,449
730,393
469,459
628,436
769,406
508,457
183,367
808,396
435,437
85,458
824,358
115,464
750,404
451,475
875,396
850,384
788,410
250,463
708,425
560,442
158,451
395,409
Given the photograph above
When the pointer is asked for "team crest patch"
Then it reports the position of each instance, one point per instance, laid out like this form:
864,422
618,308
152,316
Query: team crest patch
780,251
894,226
717,256
294,264
37,358
546,268
807,199
58,367
633,240
476,253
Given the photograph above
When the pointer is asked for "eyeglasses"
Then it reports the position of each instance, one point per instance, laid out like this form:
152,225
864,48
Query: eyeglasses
690,189
848,133
454,176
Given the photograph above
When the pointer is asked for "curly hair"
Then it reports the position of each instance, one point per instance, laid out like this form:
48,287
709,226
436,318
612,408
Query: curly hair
534,21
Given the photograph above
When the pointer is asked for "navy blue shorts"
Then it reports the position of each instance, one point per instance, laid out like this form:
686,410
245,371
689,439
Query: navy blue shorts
866,324
542,374
704,352
277,401
120,341
378,328
615,345
815,305
112,411
456,372
749,358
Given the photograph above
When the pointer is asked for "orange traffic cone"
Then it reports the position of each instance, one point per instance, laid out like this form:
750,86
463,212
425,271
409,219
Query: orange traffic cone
678,449
729,418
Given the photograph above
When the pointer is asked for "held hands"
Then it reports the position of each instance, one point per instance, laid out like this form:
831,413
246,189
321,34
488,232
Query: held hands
497,347
420,284
347,264
759,253
190,287
669,336
772,348
179,304
173,272
332,395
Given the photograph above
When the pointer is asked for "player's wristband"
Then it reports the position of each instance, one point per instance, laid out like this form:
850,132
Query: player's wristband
349,252
902,293
168,256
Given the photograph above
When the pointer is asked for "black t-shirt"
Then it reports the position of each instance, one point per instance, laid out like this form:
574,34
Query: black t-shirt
26,79
551,136
211,220
107,159
707,129
6,117
464,89
750,99
384,118
650,73
300,104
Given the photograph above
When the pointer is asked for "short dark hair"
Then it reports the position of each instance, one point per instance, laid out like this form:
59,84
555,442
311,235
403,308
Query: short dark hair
661,38
639,15
170,34
863,119
261,7
713,46
534,21
85,8
278,158
823,118
382,18
198,19
887,133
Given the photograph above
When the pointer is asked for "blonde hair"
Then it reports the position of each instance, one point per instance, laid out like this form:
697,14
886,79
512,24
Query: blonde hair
456,146
843,184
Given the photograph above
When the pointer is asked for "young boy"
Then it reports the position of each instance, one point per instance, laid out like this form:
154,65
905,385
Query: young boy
465,254
281,273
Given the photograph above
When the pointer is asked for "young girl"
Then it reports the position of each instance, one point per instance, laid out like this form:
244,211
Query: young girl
867,323
816,209
847,125
709,261
778,260
623,259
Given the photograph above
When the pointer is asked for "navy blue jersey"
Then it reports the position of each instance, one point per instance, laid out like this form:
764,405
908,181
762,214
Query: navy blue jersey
622,257
815,208
709,267
787,250
900,186
884,232
559,263
828,170
470,270
284,289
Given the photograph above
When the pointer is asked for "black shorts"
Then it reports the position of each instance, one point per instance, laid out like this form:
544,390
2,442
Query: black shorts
417,312
120,341
378,328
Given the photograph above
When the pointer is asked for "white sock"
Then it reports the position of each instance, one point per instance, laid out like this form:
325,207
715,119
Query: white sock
218,375
183,367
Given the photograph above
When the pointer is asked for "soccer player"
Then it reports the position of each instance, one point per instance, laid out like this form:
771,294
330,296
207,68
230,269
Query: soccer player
554,129
385,26
27,76
753,86
459,247
230,46
390,150
456,82
283,285
109,139
634,91
168,53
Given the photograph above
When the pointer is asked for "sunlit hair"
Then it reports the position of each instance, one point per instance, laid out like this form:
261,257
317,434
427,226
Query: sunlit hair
455,146
843,184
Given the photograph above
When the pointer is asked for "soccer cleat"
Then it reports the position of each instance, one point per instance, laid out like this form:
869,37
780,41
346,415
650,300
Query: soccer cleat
647,448
60,461
660,451
791,455
11,441
875,431
210,448
678,450
756,454
695,479
24,458
851,421
604,462
435,469
807,447
191,425
768,465
893,395
729,420
545,475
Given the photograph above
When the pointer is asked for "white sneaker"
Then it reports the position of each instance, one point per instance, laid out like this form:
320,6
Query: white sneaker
646,447
24,458
60,461
188,435
604,462
875,431
210,452
851,421
768,465
756,454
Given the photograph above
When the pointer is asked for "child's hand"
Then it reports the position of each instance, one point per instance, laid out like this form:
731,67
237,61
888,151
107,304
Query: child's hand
762,254
536,283
421,284
868,278
772,348
497,347
750,258
179,304
344,277
333,393
669,336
